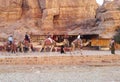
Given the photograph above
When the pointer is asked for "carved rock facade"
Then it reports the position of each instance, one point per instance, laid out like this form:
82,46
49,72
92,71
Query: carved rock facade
19,16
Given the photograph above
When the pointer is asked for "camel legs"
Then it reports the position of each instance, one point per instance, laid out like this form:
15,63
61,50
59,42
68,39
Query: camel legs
80,50
42,49
51,48
20,48
73,48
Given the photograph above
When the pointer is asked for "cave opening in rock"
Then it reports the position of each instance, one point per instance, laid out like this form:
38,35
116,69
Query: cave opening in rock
90,36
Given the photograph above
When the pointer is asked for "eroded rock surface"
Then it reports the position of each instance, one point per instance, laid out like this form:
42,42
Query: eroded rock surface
19,16
108,17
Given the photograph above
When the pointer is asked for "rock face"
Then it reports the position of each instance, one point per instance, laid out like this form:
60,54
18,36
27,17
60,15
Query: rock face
74,16
108,17
105,23
10,9
65,13
19,16
15,9
73,12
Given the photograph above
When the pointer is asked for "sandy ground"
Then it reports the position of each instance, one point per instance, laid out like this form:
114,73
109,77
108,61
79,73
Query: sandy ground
75,53
59,74
38,73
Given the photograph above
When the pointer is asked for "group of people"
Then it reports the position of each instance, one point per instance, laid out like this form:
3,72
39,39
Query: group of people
78,38
27,38
11,39
51,39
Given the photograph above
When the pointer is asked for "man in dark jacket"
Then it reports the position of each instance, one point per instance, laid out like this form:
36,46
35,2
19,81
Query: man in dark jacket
27,37
112,46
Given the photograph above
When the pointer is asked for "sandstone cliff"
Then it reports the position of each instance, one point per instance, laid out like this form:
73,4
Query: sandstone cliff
105,23
108,17
19,16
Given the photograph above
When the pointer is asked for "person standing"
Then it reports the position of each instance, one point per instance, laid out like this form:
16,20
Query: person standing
62,50
112,46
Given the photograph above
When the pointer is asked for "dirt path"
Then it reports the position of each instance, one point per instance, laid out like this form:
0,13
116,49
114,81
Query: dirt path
59,74
38,73
84,52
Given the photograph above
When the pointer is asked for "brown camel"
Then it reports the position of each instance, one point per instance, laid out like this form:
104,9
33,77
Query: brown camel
77,43
10,47
47,43
52,44
27,46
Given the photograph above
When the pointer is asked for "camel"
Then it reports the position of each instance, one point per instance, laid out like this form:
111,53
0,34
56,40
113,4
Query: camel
52,44
47,43
10,47
64,43
77,43
18,46
26,46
